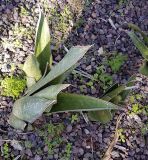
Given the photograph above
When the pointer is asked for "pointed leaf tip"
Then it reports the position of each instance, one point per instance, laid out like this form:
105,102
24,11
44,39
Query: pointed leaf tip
42,43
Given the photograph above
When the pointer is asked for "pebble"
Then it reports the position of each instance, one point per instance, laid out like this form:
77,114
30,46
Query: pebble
81,151
86,131
37,157
69,128
28,152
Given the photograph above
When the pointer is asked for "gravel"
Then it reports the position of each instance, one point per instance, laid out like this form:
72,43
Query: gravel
89,141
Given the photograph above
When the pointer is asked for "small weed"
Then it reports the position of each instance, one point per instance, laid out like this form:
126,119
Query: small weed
116,62
52,136
121,2
90,84
121,135
13,86
55,130
139,97
20,31
145,110
74,118
24,12
28,144
136,108
6,151
104,78
79,23
68,151
136,97
132,99
55,142
17,43
82,88
7,44
61,23
144,129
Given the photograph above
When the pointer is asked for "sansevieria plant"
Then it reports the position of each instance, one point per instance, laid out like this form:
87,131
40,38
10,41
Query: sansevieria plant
44,84
141,45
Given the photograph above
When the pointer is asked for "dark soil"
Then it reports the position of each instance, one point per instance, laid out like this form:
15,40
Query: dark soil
90,140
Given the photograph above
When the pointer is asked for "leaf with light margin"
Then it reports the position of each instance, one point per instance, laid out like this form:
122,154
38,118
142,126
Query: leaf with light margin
16,122
42,43
139,44
70,59
30,108
75,102
51,92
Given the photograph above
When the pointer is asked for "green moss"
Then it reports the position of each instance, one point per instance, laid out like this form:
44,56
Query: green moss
5,150
12,86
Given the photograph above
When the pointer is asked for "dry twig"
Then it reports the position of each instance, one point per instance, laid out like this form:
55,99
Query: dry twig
107,154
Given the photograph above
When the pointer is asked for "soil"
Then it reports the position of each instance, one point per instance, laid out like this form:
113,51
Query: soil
86,140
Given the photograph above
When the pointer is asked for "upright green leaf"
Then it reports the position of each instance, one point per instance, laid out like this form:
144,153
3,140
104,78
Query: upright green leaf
75,102
139,44
31,68
70,59
42,44
30,108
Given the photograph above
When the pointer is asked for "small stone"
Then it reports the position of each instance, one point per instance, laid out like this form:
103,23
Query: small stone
46,149
93,37
37,157
85,159
88,67
58,58
81,151
56,156
115,154
94,15
69,128
28,152
50,156
86,131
